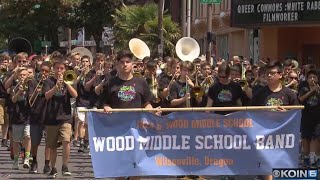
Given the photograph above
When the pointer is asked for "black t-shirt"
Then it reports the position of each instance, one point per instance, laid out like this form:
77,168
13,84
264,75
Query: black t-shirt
133,93
312,103
39,105
284,97
178,90
256,89
225,95
89,98
20,110
58,107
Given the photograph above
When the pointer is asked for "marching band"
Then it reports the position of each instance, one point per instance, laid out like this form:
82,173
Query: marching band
47,95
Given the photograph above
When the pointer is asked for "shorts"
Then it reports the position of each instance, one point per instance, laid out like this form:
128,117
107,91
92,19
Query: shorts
57,134
3,113
20,131
82,116
36,132
310,126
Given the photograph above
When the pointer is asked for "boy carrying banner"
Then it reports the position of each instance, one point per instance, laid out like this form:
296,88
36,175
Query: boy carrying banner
125,90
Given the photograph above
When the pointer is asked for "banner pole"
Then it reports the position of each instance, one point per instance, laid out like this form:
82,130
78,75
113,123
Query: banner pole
242,108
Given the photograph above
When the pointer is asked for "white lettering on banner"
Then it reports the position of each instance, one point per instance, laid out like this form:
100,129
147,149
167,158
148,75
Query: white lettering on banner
164,142
120,143
295,6
222,142
174,142
275,142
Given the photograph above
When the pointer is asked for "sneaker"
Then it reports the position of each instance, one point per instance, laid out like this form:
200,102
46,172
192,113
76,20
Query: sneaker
53,173
65,171
34,167
75,143
46,169
81,148
4,143
15,165
306,162
26,164
86,149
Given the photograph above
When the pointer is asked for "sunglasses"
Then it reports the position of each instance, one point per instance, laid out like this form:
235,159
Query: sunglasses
223,76
272,73
293,77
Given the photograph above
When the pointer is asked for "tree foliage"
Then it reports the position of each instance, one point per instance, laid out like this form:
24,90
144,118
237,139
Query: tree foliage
37,18
142,22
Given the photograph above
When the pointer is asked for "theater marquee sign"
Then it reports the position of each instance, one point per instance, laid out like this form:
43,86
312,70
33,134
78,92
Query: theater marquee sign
274,12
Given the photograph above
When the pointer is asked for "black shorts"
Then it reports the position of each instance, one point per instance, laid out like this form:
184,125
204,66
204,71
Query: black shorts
310,125
36,133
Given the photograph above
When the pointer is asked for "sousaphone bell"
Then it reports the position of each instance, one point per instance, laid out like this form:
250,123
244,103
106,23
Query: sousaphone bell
187,49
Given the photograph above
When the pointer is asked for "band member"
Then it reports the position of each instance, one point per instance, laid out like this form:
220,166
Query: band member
166,80
180,90
83,102
4,61
224,93
21,119
259,82
274,94
58,115
293,81
310,125
37,103
206,81
150,76
126,90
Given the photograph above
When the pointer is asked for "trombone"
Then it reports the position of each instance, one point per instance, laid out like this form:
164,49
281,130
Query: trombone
24,84
154,89
36,92
188,102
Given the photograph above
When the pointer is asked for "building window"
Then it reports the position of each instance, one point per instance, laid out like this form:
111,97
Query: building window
223,47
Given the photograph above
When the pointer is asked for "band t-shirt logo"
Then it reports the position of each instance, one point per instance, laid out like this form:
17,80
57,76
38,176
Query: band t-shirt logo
61,92
133,93
274,102
225,95
126,93
182,91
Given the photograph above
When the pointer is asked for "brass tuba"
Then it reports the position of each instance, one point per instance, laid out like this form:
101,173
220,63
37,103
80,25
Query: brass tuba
69,77
187,49
139,48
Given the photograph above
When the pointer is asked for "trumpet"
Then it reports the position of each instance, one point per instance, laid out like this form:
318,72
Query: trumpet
3,71
69,77
154,90
36,92
197,91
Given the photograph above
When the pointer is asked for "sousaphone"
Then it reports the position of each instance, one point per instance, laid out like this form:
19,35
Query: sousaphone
83,51
187,49
139,48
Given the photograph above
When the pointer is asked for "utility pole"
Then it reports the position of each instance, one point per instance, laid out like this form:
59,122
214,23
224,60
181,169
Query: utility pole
160,27
189,18
209,34
69,40
183,17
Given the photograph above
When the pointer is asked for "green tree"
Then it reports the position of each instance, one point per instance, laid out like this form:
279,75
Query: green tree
142,22
32,19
